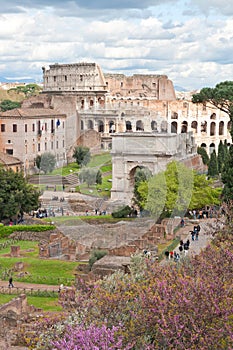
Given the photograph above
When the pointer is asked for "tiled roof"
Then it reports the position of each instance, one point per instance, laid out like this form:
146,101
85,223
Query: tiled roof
8,159
31,112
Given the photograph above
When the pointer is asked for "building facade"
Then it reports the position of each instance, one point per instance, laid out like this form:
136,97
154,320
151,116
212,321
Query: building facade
28,132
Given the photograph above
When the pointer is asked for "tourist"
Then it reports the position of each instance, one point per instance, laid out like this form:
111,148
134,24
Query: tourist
182,223
192,235
167,254
11,283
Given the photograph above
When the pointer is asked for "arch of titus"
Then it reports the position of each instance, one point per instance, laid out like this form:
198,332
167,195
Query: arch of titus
151,150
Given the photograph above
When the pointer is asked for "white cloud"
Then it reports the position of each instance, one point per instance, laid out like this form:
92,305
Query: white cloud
132,37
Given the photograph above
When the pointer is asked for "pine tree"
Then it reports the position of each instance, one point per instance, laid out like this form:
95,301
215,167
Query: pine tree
213,165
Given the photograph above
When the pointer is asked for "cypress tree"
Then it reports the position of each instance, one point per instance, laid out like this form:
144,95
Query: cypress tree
221,156
203,154
213,165
227,176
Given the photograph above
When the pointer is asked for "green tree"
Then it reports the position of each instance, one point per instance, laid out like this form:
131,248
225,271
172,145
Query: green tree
7,105
227,177
99,177
221,156
141,175
82,155
46,162
203,154
28,89
213,165
204,193
88,175
16,195
221,97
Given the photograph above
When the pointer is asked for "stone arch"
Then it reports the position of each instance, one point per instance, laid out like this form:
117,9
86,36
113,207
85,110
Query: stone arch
112,127
212,128
154,125
221,128
174,126
100,126
194,125
132,172
128,126
139,125
184,127
211,148
90,125
213,116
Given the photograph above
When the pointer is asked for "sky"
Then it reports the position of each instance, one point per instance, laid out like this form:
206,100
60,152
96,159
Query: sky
190,41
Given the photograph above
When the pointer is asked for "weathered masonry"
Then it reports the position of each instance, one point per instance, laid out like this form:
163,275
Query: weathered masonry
147,150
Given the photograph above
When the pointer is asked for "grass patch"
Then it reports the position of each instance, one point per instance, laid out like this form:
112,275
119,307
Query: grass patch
99,160
44,303
40,271
28,249
5,231
66,170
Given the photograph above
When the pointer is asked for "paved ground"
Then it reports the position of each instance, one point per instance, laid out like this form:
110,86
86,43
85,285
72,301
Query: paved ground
207,225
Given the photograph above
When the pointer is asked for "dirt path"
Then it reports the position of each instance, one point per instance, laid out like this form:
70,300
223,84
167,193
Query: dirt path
30,286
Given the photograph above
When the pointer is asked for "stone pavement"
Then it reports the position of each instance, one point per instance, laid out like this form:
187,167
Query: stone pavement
205,236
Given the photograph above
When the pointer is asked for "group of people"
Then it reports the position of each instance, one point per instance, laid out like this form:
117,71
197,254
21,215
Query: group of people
195,232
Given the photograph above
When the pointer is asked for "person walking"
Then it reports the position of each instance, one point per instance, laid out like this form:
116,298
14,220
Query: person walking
11,283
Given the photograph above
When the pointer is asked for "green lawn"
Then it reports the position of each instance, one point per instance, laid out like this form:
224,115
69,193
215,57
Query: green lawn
45,303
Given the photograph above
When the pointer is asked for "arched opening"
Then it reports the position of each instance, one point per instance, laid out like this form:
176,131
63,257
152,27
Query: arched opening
213,116
174,115
212,129
221,128
139,125
91,103
211,148
229,126
203,126
90,124
100,126
128,126
110,145
82,104
194,126
203,145
82,126
112,126
184,127
164,126
154,125
138,174
174,127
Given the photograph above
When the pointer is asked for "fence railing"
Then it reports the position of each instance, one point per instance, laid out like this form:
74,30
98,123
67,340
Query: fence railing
29,291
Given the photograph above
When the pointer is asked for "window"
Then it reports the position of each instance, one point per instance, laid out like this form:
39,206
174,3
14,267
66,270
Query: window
38,147
33,127
57,144
8,141
14,127
63,143
26,128
121,84
3,127
45,146
51,144
9,151
63,125
54,78
65,77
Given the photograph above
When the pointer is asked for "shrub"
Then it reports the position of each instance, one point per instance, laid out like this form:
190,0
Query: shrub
96,255
122,213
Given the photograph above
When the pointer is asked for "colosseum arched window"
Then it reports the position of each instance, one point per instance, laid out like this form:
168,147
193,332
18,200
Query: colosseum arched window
194,125
154,125
184,127
221,128
212,129
174,127
128,125
139,125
